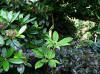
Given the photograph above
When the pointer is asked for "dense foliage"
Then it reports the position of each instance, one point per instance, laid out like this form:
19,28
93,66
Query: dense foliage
43,36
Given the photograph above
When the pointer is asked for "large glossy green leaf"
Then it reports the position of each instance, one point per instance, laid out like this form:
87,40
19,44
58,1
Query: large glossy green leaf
4,52
8,42
3,20
1,41
3,14
16,61
6,65
10,52
15,17
10,16
55,36
23,28
15,44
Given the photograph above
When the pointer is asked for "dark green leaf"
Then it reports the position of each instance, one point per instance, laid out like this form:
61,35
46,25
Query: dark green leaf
8,42
1,63
16,61
6,65
10,52
28,64
1,59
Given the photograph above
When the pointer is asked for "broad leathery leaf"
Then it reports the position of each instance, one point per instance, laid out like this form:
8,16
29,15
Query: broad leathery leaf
10,52
4,52
53,63
15,44
3,14
15,16
16,61
55,36
64,41
39,64
1,41
3,20
5,65
50,54
23,28
8,42
21,69
10,16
